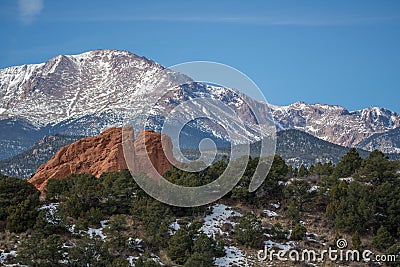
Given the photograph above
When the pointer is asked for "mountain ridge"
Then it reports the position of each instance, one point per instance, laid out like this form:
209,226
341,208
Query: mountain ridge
86,93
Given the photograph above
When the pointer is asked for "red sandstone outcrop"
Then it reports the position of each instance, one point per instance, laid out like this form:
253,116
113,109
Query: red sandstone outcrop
104,153
149,145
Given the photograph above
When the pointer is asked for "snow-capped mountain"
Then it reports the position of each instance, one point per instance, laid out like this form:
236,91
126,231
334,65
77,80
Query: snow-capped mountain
387,141
68,87
83,94
86,93
335,123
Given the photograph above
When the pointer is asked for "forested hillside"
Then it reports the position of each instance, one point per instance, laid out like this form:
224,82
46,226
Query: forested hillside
110,221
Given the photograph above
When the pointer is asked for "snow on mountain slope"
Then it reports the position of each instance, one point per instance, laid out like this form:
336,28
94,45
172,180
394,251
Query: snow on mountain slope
335,123
387,142
74,86
83,94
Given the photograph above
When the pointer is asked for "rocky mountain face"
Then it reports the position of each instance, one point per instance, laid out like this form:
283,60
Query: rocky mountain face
87,93
388,142
103,153
335,123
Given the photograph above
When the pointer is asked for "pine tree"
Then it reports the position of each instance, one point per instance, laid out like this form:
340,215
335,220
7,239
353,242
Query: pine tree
199,260
352,207
22,216
248,231
348,165
355,239
180,246
303,172
383,240
377,169
387,196
292,213
299,232
14,191
42,251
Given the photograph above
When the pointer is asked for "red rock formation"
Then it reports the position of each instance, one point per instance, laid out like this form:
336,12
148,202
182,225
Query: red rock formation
104,153
151,143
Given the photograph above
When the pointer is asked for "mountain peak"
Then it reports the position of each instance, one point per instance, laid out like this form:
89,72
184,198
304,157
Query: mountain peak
84,93
70,86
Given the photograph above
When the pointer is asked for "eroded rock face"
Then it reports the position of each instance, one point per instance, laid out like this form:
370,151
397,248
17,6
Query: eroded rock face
104,153
153,145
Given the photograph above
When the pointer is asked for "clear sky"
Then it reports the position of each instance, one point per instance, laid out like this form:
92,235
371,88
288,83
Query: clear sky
334,52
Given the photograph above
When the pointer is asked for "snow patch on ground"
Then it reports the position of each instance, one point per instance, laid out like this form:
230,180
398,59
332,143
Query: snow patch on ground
234,257
153,257
313,188
275,205
5,255
347,179
287,246
173,228
98,231
91,231
51,216
270,213
214,221
313,237
131,260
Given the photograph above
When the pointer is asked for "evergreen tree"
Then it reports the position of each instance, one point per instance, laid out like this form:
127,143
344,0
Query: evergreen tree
89,252
377,169
145,261
180,246
206,246
278,233
42,251
14,191
387,196
383,240
298,232
23,215
355,210
393,250
303,172
292,213
348,165
199,260
205,249
119,191
299,191
248,231
356,241
320,169
279,168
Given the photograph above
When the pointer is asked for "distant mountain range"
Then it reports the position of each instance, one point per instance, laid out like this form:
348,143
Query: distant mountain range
87,93
335,123
295,146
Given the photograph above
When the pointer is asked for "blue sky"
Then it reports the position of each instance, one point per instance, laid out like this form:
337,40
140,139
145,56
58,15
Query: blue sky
334,52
